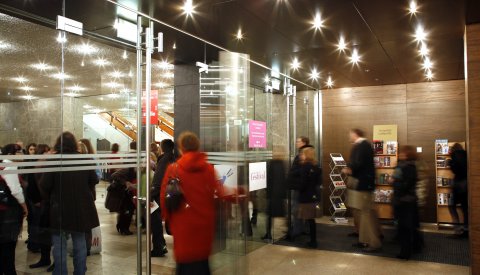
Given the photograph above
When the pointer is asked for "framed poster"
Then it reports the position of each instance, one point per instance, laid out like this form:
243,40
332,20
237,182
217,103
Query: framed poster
257,134
257,175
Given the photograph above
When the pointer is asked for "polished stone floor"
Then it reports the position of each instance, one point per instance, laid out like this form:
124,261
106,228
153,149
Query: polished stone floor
119,256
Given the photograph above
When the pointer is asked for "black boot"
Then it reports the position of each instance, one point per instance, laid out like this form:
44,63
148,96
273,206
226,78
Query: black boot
40,263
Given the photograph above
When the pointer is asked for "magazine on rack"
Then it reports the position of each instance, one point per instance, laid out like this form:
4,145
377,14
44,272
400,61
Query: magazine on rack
378,146
441,146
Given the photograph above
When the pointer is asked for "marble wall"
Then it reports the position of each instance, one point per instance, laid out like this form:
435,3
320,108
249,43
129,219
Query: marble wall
39,121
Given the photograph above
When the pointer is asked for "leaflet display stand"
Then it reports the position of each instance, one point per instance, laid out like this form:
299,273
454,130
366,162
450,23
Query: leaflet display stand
337,188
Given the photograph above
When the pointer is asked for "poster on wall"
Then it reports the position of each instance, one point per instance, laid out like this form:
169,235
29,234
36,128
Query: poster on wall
257,134
153,108
257,175
227,175
385,132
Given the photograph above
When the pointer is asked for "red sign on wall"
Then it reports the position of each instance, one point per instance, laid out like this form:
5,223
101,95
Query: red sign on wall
153,108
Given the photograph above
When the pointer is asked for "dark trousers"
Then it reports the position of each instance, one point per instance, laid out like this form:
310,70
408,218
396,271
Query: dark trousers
313,230
7,258
125,215
408,234
34,226
460,196
158,240
195,268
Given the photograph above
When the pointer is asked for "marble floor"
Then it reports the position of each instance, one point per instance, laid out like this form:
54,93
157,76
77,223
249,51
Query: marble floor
119,256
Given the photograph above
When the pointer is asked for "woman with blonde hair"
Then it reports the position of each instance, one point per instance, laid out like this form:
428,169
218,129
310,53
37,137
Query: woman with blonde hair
309,174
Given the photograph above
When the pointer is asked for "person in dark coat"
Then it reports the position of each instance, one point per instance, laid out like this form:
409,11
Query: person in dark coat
405,200
459,166
309,175
126,179
72,208
276,194
159,246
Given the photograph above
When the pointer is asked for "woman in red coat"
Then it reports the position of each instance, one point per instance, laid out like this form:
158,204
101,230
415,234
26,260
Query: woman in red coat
193,224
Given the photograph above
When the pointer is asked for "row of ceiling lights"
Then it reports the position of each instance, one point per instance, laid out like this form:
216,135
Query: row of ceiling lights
420,38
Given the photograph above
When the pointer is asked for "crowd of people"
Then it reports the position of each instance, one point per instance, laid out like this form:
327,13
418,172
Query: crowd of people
61,204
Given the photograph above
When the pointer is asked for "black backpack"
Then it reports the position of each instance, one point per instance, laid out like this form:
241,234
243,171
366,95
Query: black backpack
174,197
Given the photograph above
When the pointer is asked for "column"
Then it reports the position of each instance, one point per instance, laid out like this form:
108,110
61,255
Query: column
187,100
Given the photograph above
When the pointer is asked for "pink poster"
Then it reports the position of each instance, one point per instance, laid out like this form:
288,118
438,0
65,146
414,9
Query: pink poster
257,137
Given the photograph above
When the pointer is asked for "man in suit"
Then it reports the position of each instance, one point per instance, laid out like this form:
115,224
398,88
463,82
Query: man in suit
361,170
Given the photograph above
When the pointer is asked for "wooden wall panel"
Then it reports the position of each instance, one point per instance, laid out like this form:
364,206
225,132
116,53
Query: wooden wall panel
422,111
472,91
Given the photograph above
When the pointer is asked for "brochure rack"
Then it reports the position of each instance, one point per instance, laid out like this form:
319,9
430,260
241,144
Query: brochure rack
337,188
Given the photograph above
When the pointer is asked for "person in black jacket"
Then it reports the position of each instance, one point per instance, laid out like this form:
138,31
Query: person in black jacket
159,246
125,179
405,199
361,170
458,165
309,175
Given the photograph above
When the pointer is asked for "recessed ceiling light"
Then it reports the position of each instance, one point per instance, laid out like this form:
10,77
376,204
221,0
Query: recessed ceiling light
76,88
314,74
266,79
427,63
4,45
26,88
20,79
413,8
116,74
61,76
188,7
342,45
101,62
420,34
164,65
125,56
86,48
72,94
174,46
317,21
27,97
329,82
41,66
113,84
82,64
295,64
355,58
62,37
239,34
423,49
429,74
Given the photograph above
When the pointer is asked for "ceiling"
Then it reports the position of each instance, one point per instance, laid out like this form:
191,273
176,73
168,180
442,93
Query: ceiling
277,31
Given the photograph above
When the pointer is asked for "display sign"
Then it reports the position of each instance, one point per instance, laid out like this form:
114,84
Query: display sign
257,174
153,108
227,175
385,132
257,134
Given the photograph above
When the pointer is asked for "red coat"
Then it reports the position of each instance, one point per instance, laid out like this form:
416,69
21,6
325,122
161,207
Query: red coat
193,225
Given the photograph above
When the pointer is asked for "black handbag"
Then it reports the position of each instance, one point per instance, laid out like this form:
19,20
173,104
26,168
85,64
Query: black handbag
115,196
174,197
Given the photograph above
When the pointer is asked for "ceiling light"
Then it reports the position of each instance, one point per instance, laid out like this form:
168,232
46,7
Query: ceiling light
41,66
314,74
174,46
317,22
427,63
87,106
168,75
329,82
429,74
341,44
355,58
413,8
188,7
239,35
295,64
20,79
4,45
130,74
82,64
76,88
124,56
27,97
85,49
266,79
420,34
423,49
71,94
101,62
26,88
61,76
161,84
165,65
116,74
113,84
62,37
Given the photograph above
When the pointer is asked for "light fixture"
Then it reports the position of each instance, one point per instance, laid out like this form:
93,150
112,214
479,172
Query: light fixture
116,74
27,97
71,94
4,45
317,21
239,34
342,45
61,76
423,49
429,74
76,88
101,61
295,64
82,64
413,8
329,82
161,84
188,7
164,65
420,34
427,63
266,79
41,66
314,74
355,58
20,79
85,48
26,88
174,46
113,84
124,56
62,37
